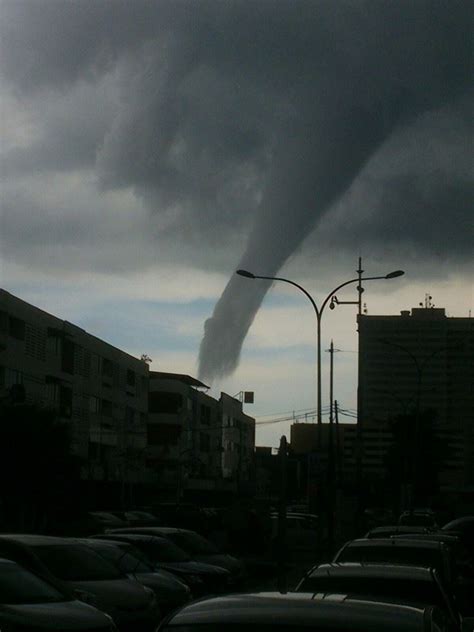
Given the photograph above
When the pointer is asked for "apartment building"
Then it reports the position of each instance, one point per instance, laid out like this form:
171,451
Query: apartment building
421,360
196,442
98,389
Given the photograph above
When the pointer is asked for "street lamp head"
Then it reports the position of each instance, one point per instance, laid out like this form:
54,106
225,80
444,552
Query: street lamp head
394,274
246,273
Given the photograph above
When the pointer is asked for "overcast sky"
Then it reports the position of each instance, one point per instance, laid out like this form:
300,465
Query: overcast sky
152,148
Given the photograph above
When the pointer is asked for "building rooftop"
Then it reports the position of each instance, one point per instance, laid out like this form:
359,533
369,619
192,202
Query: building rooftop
179,377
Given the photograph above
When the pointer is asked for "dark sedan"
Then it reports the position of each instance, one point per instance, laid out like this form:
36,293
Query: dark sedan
203,579
267,612
406,584
169,591
28,602
77,569
428,553
197,547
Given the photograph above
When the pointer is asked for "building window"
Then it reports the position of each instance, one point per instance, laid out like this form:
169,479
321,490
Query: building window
205,414
129,415
204,442
67,360
4,322
106,408
131,377
17,328
165,403
52,391
94,404
12,376
65,401
107,368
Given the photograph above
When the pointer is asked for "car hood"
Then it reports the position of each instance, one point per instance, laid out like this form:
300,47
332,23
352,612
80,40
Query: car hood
162,583
194,567
119,594
63,616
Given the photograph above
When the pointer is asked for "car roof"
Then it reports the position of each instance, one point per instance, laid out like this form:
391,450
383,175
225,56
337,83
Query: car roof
36,540
458,522
394,542
399,528
132,537
100,542
149,530
300,608
371,570
445,538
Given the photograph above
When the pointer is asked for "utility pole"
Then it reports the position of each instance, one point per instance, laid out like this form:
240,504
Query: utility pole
331,469
281,537
338,443
359,439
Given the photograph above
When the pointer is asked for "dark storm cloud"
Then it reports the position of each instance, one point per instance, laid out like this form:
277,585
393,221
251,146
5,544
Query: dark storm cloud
248,115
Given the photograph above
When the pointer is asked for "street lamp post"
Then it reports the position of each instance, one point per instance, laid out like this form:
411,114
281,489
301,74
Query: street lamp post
319,314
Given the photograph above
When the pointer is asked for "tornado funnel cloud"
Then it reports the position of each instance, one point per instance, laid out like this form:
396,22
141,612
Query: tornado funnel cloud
315,165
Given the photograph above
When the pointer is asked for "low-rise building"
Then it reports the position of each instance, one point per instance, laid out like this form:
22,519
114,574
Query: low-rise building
196,442
101,391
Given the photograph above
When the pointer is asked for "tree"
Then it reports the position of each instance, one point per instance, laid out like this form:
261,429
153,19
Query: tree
38,471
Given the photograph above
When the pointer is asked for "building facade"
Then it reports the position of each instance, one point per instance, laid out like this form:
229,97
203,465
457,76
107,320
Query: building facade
101,391
420,361
196,442
128,424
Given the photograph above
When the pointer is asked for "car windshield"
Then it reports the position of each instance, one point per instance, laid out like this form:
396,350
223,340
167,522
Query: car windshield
19,586
124,558
193,543
72,562
162,550
415,591
412,556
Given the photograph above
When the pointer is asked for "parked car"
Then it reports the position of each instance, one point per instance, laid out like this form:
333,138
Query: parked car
462,564
464,526
107,520
197,547
74,567
29,602
291,612
405,584
134,518
301,532
203,579
418,517
428,553
169,591
388,530
377,516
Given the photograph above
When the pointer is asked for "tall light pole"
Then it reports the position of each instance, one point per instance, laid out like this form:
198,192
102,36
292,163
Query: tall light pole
319,314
